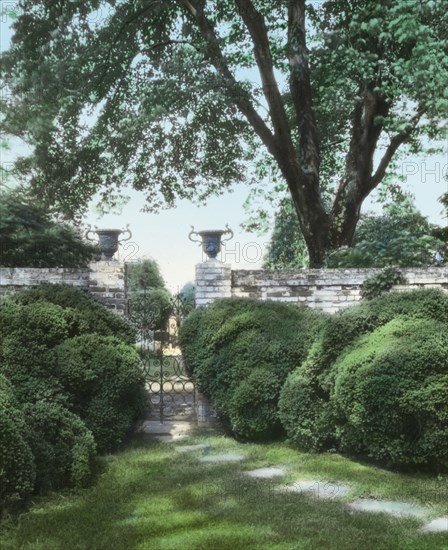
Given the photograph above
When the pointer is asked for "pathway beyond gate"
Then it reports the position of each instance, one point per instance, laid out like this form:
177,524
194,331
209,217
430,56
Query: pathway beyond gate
172,392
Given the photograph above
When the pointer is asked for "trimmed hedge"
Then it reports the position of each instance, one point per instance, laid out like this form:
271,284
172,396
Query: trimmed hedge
91,316
240,352
76,392
308,409
17,468
391,394
104,381
63,448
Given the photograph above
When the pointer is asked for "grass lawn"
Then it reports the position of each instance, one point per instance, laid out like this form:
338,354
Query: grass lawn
151,497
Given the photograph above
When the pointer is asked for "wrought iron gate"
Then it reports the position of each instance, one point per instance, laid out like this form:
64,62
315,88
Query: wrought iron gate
171,391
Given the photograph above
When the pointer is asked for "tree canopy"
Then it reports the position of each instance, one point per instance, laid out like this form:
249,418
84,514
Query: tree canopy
185,98
150,301
399,236
29,237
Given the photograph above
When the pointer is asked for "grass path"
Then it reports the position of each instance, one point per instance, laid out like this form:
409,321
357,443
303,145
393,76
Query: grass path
151,497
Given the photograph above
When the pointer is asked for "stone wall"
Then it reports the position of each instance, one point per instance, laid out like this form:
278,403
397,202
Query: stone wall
213,280
328,290
105,280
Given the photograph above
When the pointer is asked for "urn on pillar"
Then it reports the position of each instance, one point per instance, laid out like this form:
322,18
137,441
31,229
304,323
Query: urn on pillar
211,240
108,240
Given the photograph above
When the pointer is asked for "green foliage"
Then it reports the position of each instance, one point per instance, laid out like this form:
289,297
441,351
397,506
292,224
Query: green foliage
144,275
91,315
240,352
17,468
150,301
78,392
187,296
368,78
63,447
307,407
150,309
390,394
29,332
29,237
401,236
287,249
103,379
381,282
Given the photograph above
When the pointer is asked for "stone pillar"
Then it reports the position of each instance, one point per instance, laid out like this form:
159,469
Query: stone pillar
213,281
107,283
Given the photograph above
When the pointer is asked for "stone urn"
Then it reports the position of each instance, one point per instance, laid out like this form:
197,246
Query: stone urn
108,240
211,240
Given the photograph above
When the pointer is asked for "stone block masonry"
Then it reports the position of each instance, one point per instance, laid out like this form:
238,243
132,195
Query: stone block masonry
328,290
105,280
213,281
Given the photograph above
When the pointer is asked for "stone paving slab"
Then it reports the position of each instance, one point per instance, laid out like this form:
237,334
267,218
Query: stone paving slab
172,428
224,457
318,489
438,525
395,508
191,448
266,473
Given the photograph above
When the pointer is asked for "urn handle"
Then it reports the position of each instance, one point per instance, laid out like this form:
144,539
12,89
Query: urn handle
86,235
193,232
127,230
228,230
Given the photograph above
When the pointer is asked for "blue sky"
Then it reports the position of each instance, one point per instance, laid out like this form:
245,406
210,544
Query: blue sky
164,236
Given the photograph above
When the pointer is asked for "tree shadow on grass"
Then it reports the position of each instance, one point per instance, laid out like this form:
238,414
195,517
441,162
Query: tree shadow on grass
149,497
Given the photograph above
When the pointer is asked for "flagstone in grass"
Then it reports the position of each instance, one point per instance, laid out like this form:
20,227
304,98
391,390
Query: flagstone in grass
395,508
191,448
318,489
266,473
438,525
224,457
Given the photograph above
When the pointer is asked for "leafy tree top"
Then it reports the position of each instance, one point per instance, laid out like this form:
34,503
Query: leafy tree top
29,237
183,98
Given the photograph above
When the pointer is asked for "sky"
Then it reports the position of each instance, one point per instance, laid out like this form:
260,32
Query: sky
164,236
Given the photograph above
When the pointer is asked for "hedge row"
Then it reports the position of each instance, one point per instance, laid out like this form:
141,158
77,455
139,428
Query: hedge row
71,386
240,352
375,381
371,380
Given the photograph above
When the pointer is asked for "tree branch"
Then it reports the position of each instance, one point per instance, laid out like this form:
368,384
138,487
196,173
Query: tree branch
256,26
217,58
131,19
364,138
168,43
301,93
394,144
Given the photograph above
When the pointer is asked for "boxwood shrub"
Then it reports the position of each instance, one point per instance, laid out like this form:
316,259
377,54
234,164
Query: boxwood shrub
240,352
103,380
391,394
91,315
308,409
17,468
63,447
77,391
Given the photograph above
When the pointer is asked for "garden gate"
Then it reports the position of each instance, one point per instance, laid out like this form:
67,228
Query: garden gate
171,390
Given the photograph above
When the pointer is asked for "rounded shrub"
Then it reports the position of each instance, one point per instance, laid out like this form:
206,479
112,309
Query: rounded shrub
28,334
63,448
17,468
91,315
306,409
390,394
253,406
240,352
103,378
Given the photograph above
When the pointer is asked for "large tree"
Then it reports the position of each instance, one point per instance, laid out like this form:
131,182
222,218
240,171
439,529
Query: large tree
184,98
